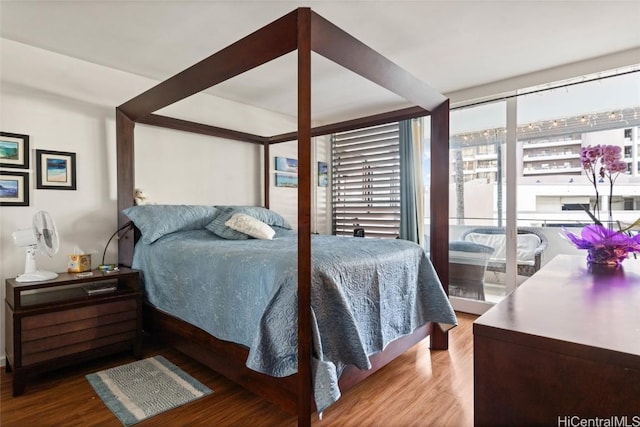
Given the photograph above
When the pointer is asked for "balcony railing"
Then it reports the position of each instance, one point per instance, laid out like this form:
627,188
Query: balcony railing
527,145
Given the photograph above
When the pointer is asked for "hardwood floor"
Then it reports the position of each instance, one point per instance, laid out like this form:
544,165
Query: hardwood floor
420,388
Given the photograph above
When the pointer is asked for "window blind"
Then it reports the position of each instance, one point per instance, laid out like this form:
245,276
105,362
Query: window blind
366,181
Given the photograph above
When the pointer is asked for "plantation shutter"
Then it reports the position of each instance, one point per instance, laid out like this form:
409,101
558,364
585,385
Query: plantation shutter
366,181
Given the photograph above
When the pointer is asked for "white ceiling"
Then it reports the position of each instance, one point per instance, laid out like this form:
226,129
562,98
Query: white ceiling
451,45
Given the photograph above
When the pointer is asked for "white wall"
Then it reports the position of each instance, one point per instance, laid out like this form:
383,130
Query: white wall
285,201
322,222
177,168
65,104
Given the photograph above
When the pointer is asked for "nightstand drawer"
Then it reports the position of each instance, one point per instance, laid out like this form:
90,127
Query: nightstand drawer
75,314
89,339
58,334
77,325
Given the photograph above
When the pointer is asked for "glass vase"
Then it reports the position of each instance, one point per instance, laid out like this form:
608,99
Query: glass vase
609,255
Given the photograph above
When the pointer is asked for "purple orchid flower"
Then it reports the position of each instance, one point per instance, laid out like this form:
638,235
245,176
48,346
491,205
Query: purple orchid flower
605,246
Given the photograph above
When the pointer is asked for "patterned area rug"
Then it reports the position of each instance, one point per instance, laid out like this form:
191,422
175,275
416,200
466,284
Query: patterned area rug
142,389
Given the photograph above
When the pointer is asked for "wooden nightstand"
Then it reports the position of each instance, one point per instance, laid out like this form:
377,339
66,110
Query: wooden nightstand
57,323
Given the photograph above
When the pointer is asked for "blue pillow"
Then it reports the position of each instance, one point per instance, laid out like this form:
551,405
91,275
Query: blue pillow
217,227
465,246
155,221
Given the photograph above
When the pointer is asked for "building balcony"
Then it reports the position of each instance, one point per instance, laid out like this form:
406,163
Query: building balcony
552,170
528,145
488,156
551,156
487,169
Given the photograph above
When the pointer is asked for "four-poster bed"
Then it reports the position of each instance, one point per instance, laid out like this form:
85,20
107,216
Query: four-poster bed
306,32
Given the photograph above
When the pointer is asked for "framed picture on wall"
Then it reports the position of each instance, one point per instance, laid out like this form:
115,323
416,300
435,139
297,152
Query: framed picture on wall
285,164
290,181
14,150
55,170
14,188
323,175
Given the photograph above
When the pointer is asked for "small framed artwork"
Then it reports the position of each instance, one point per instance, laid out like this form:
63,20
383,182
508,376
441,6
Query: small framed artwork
14,188
285,164
323,176
290,181
14,150
55,170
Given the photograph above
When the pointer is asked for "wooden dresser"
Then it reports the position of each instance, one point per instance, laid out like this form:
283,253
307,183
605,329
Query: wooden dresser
55,323
563,347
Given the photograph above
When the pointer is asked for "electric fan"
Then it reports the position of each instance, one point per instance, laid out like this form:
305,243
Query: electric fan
42,236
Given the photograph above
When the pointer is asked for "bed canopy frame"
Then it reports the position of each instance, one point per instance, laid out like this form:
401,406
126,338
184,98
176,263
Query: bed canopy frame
304,31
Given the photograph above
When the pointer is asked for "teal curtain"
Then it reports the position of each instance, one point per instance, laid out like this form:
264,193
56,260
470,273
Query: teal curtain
408,202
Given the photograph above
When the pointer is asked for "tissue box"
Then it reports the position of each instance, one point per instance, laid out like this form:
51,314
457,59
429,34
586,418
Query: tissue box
79,263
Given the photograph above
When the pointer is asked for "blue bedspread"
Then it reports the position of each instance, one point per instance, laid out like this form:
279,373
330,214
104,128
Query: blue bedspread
365,294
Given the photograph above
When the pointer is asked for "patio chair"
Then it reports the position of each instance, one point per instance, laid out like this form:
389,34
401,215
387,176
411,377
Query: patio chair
531,245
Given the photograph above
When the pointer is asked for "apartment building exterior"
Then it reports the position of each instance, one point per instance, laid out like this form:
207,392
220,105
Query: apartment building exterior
552,186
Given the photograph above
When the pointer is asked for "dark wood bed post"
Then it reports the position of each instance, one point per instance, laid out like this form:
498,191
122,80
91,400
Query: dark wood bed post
266,182
125,160
305,384
440,208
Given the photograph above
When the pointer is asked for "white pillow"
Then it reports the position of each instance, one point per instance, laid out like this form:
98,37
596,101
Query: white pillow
249,225
527,245
496,241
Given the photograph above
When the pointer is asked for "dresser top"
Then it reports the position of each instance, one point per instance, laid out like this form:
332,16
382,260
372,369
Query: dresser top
568,307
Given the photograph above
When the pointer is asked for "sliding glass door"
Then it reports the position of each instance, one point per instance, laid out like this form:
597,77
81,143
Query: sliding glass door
515,170
477,205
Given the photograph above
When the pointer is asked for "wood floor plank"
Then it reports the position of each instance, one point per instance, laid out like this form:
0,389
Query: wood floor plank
420,388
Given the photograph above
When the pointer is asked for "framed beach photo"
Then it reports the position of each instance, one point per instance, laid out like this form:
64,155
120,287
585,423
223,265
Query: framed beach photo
14,188
283,180
285,164
55,170
14,150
